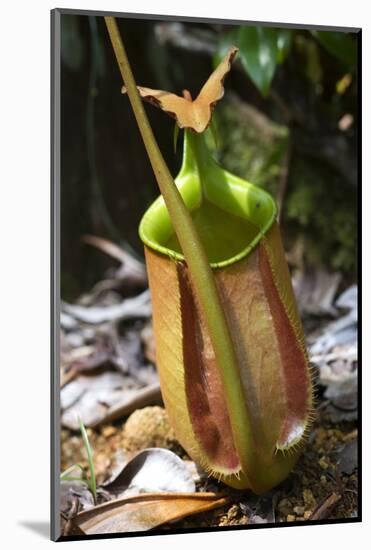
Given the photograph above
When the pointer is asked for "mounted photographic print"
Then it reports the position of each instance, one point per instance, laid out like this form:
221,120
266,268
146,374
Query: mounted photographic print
205,274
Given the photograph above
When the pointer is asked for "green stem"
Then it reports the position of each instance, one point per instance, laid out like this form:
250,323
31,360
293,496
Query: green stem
202,277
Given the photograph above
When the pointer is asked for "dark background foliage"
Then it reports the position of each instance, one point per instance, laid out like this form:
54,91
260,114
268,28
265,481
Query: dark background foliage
288,122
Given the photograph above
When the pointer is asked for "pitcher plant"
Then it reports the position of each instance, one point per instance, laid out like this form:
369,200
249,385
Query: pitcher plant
230,350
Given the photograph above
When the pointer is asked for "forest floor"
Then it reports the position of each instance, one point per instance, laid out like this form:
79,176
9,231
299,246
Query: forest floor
323,485
109,379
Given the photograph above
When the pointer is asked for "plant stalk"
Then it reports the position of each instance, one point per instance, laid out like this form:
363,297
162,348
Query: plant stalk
201,274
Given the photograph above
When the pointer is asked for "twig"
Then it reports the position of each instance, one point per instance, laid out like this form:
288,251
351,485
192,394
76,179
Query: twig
323,510
144,397
131,266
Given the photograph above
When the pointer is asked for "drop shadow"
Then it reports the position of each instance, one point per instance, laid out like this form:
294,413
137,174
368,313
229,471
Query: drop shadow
41,528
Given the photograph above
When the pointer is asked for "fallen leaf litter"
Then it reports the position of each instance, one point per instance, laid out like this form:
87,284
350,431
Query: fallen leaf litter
316,477
323,484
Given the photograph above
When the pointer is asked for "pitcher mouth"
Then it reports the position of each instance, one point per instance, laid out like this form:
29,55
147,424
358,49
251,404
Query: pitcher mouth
232,214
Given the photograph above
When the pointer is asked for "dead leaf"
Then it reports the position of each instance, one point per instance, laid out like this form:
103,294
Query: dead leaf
188,113
67,527
348,458
152,470
103,397
86,357
342,392
70,490
128,350
334,350
92,396
341,332
68,322
337,415
131,308
315,291
195,471
145,511
348,299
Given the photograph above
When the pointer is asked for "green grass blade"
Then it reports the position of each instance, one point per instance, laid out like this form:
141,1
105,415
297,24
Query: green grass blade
91,481
69,470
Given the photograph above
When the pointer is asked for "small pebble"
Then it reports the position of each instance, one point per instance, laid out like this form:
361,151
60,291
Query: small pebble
148,427
323,463
233,512
108,431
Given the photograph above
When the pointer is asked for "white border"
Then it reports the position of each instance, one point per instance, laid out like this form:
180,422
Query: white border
25,260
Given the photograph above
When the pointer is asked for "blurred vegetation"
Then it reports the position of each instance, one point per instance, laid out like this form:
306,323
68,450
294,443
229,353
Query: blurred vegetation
288,122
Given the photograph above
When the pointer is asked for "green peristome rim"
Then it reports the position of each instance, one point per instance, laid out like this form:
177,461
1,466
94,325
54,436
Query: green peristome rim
200,177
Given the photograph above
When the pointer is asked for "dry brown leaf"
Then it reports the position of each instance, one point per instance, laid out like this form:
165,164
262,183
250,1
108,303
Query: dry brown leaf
152,470
188,113
144,512
130,308
103,398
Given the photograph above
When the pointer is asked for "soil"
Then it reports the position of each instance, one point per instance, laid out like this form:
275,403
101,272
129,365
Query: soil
323,484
